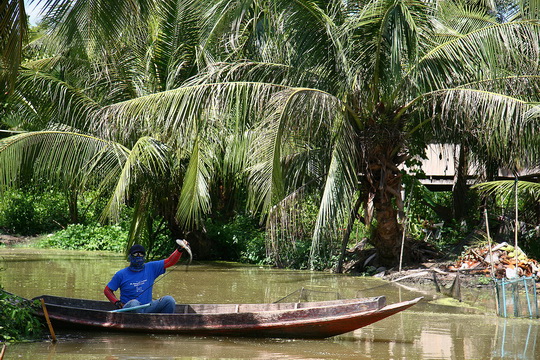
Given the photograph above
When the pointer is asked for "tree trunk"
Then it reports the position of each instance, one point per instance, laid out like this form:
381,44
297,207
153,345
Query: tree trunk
387,234
386,186
72,205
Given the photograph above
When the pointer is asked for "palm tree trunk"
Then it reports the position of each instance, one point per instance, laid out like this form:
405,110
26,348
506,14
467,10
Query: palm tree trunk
387,203
388,231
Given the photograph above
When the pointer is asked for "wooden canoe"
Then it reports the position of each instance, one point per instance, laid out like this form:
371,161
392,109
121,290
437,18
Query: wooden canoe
283,320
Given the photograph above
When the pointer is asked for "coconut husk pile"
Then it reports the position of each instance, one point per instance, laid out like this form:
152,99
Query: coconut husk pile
503,257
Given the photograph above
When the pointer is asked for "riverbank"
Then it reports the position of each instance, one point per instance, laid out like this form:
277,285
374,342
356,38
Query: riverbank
439,277
11,240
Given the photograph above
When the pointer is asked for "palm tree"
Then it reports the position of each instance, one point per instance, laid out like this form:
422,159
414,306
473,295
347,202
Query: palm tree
153,50
360,88
165,167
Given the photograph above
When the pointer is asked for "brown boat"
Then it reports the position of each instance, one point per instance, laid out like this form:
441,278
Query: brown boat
284,320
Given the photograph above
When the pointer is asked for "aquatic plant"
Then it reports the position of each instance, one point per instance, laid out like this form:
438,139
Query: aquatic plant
17,319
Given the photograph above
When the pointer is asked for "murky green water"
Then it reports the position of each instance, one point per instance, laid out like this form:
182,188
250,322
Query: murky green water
426,331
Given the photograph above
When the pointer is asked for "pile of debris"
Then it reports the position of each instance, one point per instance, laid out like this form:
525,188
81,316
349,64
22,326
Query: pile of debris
501,260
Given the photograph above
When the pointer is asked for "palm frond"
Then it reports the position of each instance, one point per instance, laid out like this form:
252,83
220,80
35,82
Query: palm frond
195,197
63,158
455,19
481,53
506,188
174,55
173,115
146,167
94,24
337,199
386,38
55,100
502,124
13,31
138,230
280,137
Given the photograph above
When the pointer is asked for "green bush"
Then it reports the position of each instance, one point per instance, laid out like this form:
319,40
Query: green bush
240,239
42,209
17,319
32,211
88,237
18,215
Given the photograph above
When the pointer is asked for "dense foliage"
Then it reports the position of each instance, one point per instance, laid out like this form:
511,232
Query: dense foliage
32,211
300,114
93,237
17,319
240,239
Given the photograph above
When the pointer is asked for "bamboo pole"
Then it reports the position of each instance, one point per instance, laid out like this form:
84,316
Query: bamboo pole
46,313
3,352
489,244
516,225
402,244
405,226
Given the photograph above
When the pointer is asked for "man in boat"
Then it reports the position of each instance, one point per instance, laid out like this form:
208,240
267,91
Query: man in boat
136,281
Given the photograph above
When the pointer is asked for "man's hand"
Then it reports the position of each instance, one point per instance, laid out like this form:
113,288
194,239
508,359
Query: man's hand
184,245
119,304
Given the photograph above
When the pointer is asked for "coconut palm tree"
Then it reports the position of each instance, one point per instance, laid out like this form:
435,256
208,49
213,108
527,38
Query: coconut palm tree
349,93
153,50
363,87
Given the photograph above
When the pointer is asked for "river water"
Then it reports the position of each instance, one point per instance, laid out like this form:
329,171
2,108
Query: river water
426,331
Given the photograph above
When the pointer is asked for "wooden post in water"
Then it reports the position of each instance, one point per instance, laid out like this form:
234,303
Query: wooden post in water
3,352
492,269
516,226
46,313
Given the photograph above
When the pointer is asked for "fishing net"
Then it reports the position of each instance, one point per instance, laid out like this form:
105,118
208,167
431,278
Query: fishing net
517,297
307,295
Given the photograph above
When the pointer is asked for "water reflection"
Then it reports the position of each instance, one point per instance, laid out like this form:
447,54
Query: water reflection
517,342
427,331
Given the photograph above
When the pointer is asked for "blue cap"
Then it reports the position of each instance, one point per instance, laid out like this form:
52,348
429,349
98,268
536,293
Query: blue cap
137,248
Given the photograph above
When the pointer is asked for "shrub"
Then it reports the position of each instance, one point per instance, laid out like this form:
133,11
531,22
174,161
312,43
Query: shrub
17,319
42,209
18,213
239,239
88,237
32,211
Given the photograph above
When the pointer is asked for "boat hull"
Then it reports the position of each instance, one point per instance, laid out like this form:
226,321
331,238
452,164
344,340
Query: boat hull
290,320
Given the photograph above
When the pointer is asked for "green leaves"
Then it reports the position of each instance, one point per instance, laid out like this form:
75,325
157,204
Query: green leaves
506,188
194,200
64,157
13,30
19,315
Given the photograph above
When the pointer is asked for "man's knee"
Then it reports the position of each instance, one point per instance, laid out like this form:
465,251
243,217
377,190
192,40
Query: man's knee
169,299
132,303
168,303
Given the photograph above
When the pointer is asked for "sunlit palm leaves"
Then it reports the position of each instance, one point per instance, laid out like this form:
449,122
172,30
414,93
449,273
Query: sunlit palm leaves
13,29
49,156
54,100
145,169
507,188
